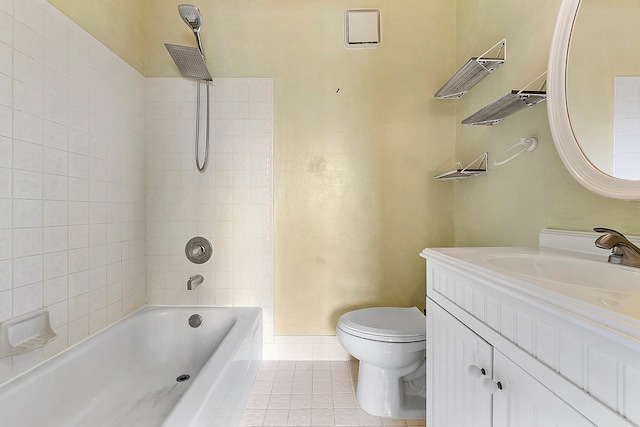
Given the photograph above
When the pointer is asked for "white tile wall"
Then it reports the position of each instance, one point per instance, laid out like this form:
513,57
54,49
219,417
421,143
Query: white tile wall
626,154
71,178
231,203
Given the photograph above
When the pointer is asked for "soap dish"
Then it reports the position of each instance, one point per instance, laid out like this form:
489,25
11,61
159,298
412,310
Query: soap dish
25,333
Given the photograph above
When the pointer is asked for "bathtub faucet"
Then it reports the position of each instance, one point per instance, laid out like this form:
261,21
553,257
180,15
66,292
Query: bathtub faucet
622,250
194,282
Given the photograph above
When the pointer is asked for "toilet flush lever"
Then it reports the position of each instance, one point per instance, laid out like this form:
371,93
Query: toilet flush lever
194,282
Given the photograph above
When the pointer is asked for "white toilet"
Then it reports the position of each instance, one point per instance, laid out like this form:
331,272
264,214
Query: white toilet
390,343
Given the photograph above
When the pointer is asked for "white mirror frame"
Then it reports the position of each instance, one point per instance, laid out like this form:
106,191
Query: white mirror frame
563,137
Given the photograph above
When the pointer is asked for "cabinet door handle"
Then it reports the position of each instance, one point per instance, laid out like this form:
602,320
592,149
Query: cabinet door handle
491,386
475,371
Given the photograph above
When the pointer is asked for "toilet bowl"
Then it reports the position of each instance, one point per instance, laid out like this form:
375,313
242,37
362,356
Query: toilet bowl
390,343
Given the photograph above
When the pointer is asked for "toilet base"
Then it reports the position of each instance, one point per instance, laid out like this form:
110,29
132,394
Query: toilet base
392,393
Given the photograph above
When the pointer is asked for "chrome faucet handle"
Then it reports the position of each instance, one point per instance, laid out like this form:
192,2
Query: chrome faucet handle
615,250
622,250
608,230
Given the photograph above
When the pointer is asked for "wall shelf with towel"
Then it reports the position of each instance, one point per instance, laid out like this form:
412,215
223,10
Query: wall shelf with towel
22,334
474,70
508,104
480,168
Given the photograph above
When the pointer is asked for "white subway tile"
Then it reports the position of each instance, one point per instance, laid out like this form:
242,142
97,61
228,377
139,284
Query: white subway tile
78,213
55,161
54,109
27,156
55,213
27,213
78,260
31,14
27,242
54,291
55,31
78,189
27,185
28,127
6,28
6,275
54,239
55,135
6,59
55,187
55,265
27,270
5,244
6,90
5,182
6,152
78,330
79,284
27,69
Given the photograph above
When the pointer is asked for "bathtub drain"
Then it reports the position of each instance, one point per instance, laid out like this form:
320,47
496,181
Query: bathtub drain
183,378
195,320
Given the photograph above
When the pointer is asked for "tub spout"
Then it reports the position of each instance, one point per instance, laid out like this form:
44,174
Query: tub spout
194,282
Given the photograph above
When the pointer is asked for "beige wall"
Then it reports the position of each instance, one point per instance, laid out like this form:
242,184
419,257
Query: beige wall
118,24
513,202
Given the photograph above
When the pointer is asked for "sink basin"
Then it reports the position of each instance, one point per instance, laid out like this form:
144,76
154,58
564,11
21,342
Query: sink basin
571,271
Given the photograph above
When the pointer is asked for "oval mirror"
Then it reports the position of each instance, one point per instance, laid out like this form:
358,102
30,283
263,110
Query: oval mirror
592,79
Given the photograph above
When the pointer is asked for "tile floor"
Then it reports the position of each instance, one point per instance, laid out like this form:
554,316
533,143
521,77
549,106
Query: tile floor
306,393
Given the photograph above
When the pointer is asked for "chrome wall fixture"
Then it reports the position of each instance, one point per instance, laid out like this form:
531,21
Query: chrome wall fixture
198,250
192,64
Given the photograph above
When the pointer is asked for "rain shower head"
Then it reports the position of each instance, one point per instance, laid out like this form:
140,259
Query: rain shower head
190,61
192,17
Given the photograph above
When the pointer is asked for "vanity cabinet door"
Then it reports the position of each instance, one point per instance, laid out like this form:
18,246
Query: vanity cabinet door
455,398
524,402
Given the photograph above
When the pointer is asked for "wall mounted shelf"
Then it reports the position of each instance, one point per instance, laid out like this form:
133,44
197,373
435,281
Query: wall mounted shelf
474,70
506,105
481,167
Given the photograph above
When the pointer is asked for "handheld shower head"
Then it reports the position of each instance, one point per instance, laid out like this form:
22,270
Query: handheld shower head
192,17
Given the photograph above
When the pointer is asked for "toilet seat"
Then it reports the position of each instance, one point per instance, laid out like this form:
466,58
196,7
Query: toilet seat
387,324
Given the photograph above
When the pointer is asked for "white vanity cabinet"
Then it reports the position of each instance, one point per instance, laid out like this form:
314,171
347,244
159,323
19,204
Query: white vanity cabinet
456,394
455,397
555,367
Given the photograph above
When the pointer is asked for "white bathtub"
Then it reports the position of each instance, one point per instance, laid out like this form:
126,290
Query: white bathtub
126,375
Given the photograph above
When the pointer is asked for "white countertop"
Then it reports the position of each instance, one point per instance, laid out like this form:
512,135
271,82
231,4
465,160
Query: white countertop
602,294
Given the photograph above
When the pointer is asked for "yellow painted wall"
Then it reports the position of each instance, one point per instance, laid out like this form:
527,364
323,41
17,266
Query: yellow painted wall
118,24
513,202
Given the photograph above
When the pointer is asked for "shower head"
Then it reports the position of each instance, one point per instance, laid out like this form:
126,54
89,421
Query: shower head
190,61
192,17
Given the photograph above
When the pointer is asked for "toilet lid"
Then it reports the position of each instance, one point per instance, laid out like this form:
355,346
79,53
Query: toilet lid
392,324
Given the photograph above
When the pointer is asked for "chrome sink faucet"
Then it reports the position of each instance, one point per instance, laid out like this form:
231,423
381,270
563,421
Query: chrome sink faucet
622,250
